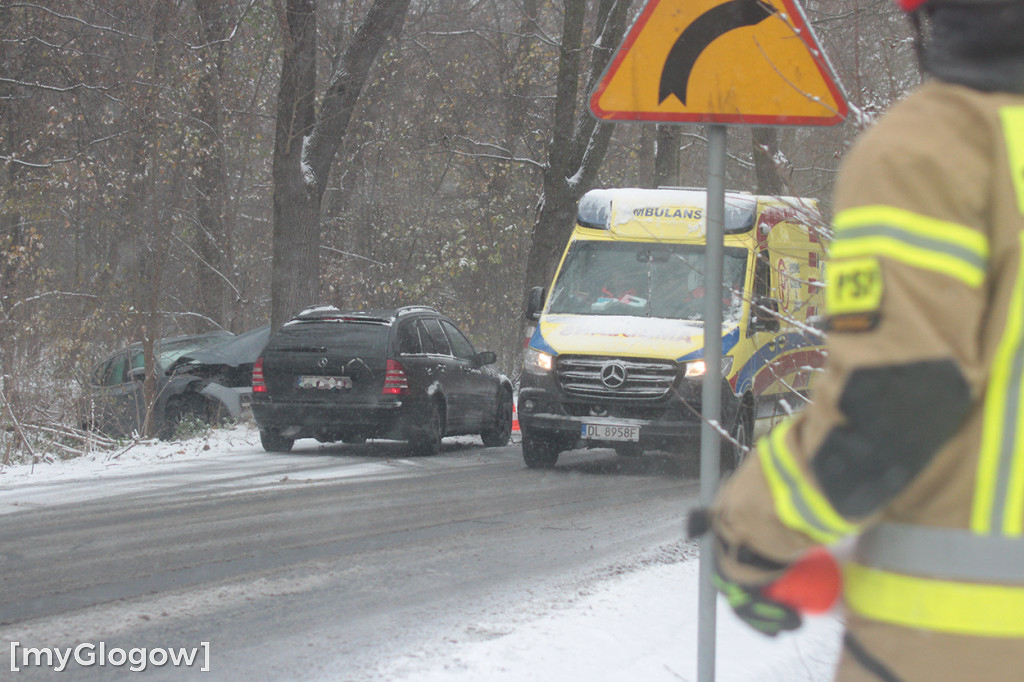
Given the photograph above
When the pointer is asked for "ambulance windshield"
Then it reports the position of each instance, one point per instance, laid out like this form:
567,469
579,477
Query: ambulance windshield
643,280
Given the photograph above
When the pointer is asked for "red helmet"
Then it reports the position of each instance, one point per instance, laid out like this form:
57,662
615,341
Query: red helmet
910,5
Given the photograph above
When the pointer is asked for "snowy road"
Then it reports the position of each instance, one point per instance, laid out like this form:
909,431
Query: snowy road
320,564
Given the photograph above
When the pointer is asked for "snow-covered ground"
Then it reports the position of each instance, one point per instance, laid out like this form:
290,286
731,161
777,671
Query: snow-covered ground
639,624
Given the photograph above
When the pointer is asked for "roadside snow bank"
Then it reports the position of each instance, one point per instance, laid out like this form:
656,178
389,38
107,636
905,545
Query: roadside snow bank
636,625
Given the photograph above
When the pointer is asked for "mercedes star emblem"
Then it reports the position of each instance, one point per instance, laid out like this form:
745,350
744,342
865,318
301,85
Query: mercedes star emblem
613,374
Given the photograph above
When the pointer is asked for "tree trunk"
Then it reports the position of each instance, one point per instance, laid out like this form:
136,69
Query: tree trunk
768,166
161,191
578,143
666,163
296,253
305,145
212,237
647,150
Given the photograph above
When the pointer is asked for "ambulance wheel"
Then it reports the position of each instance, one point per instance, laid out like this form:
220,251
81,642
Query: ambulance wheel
736,447
538,452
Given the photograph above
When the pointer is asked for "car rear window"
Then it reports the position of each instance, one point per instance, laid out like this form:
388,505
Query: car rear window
357,337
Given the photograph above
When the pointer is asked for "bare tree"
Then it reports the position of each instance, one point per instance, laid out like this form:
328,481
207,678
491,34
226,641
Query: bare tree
578,142
769,167
212,237
306,141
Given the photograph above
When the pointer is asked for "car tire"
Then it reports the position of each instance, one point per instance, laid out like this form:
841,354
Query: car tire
426,440
180,408
538,452
500,430
735,448
273,442
629,450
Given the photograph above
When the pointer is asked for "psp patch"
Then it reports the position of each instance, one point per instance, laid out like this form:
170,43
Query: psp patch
853,293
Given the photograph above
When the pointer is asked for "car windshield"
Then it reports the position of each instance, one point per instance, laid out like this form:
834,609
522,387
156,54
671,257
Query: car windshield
167,351
644,280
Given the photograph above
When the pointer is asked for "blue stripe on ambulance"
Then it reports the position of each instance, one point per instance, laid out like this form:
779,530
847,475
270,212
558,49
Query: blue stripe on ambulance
538,342
729,342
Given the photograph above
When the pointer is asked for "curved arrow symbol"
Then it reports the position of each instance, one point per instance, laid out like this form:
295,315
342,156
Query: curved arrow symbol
707,28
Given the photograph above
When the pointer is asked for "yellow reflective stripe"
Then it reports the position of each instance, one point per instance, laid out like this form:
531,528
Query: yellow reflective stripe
998,489
982,610
911,238
1013,130
797,502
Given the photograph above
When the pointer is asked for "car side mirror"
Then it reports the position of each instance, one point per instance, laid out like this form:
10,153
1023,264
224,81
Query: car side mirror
137,374
764,315
534,303
486,357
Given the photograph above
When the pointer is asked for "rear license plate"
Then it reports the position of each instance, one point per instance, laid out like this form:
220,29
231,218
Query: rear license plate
324,383
610,432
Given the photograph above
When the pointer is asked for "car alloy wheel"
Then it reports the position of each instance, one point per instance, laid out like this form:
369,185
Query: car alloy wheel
500,430
427,440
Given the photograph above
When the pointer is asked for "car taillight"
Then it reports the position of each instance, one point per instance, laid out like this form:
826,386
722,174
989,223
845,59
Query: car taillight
258,384
395,381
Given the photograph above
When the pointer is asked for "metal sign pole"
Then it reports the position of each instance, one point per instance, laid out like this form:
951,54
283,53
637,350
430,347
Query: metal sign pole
651,78
711,407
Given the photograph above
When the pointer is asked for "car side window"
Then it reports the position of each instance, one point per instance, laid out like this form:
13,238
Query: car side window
762,271
437,337
426,341
99,374
409,339
460,344
113,372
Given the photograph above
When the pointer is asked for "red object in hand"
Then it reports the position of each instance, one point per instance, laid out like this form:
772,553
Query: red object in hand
811,585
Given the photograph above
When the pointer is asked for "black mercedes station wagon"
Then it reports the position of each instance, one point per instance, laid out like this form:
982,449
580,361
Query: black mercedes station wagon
404,374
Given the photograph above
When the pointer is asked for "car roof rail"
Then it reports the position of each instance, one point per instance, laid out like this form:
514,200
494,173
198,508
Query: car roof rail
316,311
405,310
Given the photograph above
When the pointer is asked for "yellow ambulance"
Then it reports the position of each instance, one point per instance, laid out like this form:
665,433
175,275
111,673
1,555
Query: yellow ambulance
615,358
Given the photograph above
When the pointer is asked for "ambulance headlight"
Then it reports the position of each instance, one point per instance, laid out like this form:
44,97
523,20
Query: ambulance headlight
537,362
697,368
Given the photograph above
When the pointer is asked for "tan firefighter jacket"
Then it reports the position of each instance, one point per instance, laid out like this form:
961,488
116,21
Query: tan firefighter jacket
914,442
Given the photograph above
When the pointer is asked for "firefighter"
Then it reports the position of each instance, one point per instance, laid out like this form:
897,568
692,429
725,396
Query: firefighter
913,449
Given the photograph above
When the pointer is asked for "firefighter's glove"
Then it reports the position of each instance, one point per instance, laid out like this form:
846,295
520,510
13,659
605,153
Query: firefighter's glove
765,615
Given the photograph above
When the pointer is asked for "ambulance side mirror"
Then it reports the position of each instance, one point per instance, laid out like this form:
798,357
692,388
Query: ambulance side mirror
534,303
764,315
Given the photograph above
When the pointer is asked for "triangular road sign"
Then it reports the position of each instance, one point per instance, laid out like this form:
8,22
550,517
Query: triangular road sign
747,62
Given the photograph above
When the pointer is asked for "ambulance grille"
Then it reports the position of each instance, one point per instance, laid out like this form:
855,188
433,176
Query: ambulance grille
597,377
